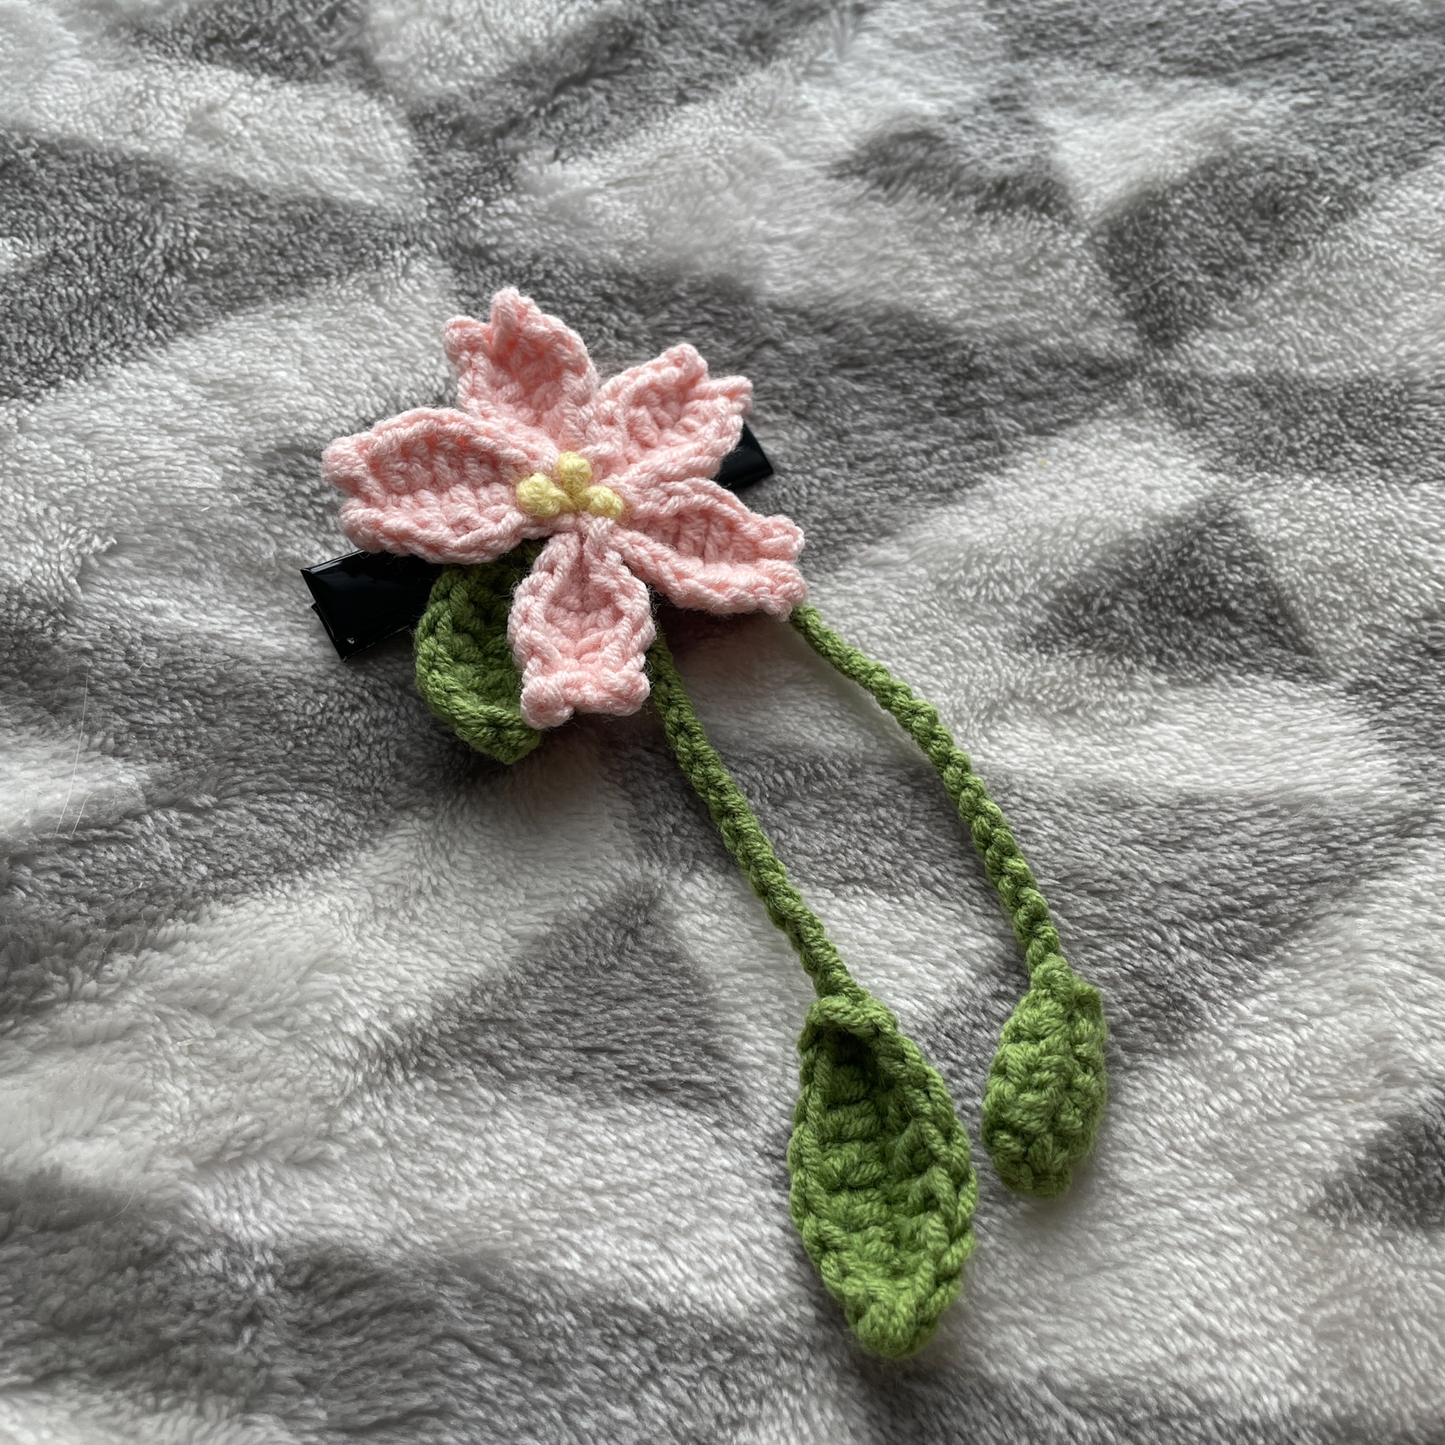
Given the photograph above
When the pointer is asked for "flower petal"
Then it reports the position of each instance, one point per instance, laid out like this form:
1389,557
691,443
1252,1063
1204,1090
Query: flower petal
431,483
524,371
580,625
701,547
666,420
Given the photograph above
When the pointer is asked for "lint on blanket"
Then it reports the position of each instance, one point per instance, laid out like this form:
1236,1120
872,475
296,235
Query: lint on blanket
556,505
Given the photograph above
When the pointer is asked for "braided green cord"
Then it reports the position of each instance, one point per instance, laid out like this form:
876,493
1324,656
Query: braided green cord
883,1191
741,831
1047,1085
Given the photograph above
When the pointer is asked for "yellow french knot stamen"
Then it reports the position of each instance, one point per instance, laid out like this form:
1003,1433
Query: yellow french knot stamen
574,471
541,496
602,502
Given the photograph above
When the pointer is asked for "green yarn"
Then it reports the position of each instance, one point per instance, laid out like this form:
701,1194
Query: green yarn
464,666
883,1191
1047,1085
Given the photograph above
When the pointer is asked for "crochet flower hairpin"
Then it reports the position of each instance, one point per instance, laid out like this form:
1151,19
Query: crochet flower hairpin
554,502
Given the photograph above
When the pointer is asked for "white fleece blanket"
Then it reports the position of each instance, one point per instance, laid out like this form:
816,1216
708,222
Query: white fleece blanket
352,1086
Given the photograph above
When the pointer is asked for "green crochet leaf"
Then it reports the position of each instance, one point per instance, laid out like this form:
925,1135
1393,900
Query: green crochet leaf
883,1190
1047,1085
464,666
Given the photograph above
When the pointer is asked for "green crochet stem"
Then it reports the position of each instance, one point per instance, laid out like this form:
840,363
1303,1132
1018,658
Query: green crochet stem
883,1191
1047,1085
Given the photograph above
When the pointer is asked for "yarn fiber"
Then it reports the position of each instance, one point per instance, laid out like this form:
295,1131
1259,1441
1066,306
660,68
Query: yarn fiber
883,1190
616,476
464,664
1048,1084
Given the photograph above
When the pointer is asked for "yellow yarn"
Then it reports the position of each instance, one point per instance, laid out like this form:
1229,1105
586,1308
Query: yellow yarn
602,502
540,496
574,471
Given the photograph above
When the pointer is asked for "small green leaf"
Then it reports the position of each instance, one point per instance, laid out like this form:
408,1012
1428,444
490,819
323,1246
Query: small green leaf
1047,1085
464,666
883,1190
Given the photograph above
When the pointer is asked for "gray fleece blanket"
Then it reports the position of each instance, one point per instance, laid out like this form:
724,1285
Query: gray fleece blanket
353,1086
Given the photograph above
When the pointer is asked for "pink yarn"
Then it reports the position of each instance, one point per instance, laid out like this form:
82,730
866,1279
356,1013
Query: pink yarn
443,485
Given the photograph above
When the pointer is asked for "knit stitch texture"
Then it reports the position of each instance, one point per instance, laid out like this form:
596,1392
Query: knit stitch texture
464,664
618,477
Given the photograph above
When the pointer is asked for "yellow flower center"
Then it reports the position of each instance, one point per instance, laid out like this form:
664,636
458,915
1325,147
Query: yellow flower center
569,489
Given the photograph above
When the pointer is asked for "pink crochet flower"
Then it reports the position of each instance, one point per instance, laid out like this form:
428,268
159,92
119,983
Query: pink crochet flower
617,476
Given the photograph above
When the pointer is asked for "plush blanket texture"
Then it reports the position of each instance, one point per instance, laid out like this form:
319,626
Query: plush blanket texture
352,1086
